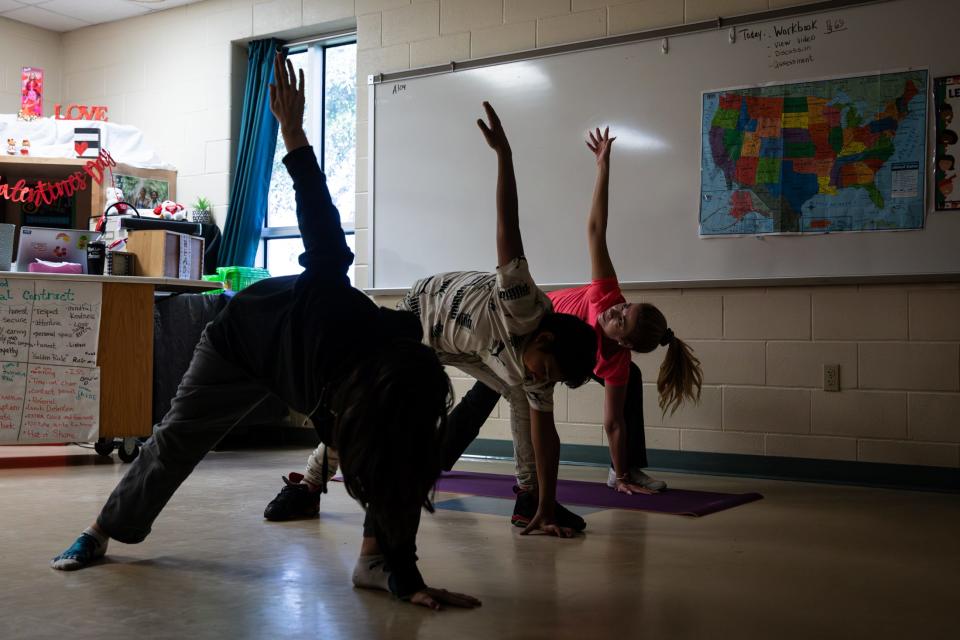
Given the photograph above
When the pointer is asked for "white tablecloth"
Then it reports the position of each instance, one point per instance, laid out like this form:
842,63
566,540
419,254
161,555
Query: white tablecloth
51,138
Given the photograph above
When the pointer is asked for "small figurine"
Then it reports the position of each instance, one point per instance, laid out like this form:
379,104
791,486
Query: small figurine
25,147
170,210
11,147
114,196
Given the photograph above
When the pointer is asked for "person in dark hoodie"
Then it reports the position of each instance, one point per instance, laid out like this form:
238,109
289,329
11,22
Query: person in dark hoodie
377,395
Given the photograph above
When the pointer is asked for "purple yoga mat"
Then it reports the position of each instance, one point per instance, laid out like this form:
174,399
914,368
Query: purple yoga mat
593,494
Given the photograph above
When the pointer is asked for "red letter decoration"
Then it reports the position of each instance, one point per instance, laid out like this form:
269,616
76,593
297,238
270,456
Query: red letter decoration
77,181
80,112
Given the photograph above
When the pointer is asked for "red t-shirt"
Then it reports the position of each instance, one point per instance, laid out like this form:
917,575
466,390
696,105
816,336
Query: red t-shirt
588,302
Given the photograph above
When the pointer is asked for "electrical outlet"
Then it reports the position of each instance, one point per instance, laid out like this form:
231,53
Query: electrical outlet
831,377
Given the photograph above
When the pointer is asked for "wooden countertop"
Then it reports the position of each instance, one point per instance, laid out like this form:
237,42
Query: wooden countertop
161,284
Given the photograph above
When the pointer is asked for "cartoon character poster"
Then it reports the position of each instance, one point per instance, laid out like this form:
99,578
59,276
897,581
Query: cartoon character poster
31,93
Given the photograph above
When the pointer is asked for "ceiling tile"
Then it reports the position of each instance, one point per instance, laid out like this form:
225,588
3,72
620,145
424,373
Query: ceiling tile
96,11
45,19
66,15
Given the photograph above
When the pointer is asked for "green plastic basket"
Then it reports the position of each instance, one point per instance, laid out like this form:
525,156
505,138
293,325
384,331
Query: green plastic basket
213,277
239,278
236,278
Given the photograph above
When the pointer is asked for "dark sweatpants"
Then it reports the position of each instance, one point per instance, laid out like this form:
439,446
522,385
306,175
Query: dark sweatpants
478,403
463,425
214,397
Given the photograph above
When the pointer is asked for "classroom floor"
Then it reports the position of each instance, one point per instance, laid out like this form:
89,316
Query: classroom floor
808,561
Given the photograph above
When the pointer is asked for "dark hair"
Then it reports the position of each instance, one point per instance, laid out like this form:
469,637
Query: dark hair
390,417
574,345
680,376
951,136
949,157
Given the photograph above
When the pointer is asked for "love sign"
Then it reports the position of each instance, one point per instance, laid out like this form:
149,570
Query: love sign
80,112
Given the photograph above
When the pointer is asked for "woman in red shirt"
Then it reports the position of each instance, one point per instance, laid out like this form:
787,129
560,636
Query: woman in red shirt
622,327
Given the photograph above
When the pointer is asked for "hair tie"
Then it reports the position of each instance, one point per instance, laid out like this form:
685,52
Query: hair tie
667,337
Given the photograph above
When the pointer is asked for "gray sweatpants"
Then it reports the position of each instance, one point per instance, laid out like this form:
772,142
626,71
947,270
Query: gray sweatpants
214,397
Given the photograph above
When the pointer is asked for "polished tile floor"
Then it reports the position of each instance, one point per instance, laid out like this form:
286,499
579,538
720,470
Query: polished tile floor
808,561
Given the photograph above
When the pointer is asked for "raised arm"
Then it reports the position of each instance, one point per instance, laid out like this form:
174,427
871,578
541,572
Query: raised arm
287,102
600,264
509,242
325,250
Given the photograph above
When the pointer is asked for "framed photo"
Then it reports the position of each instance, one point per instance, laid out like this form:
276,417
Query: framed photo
143,193
31,93
946,185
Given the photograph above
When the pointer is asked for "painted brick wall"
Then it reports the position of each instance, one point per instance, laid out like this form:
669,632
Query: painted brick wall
762,349
23,45
763,353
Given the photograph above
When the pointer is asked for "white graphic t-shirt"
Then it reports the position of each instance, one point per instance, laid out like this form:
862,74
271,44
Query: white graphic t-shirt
487,315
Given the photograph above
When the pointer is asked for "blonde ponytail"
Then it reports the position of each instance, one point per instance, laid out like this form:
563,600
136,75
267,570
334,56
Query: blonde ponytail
680,375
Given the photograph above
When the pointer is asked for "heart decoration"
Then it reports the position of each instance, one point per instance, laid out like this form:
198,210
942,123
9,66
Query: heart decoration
81,147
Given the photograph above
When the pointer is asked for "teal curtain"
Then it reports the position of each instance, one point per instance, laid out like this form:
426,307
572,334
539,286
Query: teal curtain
255,150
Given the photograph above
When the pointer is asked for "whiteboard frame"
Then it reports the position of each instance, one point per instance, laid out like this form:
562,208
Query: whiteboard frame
719,23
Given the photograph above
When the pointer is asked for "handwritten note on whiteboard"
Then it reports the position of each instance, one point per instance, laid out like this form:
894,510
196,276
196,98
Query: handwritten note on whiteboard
49,381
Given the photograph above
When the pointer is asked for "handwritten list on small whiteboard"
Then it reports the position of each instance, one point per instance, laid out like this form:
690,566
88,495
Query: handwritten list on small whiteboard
49,379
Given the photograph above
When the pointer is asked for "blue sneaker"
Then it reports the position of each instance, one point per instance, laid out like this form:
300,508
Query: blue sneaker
81,553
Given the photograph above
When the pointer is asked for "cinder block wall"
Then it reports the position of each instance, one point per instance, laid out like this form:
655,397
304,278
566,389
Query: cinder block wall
23,45
762,349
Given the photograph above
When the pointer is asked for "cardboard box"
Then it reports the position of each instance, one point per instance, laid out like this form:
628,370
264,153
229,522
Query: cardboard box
166,254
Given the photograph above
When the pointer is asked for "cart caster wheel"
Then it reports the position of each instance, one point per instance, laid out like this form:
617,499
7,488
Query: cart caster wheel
104,446
128,450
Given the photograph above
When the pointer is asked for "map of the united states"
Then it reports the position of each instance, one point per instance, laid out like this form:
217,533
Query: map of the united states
833,155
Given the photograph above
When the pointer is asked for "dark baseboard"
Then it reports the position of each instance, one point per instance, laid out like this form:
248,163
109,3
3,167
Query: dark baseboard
871,474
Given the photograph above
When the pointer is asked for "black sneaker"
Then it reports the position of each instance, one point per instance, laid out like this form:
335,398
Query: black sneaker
525,509
295,501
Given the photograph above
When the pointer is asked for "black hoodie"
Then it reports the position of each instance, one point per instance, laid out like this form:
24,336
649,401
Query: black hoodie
300,336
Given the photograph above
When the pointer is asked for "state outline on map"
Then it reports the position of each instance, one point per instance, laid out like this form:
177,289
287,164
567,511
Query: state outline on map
920,143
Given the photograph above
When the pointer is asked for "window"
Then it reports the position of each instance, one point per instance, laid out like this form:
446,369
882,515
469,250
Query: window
330,120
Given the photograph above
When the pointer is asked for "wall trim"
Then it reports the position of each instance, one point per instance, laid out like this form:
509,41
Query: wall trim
870,474
743,283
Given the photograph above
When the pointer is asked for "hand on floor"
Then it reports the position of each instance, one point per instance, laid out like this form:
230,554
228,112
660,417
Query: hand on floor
436,598
629,488
547,524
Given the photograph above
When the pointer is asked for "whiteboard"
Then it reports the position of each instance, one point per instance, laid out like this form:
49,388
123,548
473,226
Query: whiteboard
433,177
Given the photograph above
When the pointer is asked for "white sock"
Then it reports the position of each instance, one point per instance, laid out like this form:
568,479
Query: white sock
99,537
370,573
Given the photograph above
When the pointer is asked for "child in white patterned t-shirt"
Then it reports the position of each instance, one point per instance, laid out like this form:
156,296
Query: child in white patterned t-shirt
501,329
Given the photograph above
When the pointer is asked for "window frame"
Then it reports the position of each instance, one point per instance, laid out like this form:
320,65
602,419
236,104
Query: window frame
316,48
